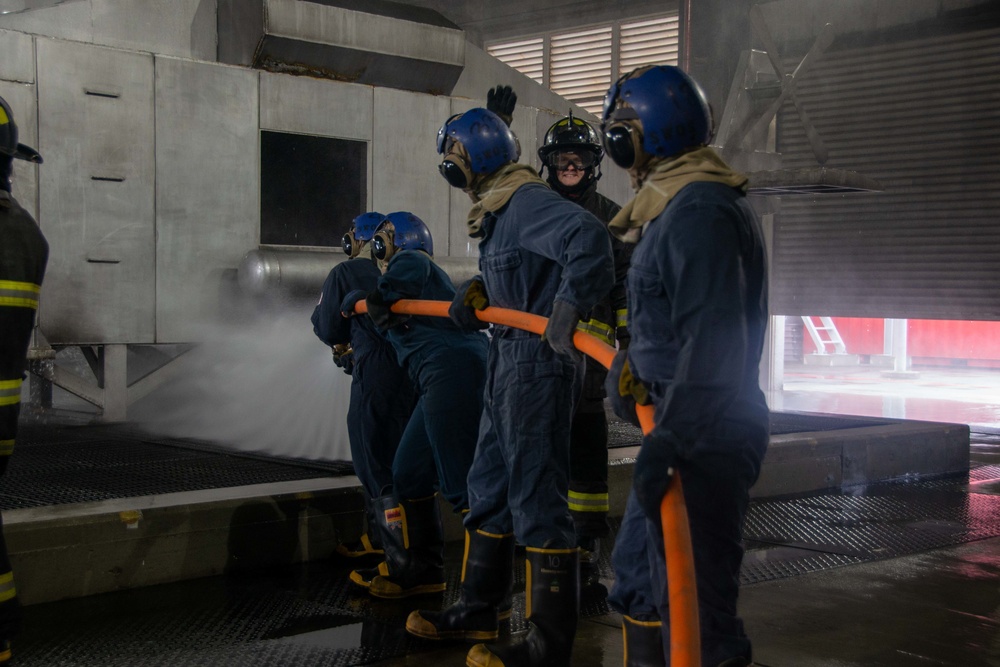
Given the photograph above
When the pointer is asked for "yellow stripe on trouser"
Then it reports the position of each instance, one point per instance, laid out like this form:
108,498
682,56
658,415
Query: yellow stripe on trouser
599,330
588,502
10,391
6,447
621,317
7,590
19,294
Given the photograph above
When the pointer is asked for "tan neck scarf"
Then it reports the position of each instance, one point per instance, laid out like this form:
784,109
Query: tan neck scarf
662,183
495,191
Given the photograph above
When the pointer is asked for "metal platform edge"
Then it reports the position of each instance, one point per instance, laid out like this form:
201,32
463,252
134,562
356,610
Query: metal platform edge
82,549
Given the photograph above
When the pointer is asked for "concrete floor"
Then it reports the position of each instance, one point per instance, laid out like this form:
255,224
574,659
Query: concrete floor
857,607
937,606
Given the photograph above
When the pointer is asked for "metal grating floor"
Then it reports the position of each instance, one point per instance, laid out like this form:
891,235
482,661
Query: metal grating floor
795,536
76,464
310,615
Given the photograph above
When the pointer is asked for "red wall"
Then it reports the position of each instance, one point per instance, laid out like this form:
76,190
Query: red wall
929,342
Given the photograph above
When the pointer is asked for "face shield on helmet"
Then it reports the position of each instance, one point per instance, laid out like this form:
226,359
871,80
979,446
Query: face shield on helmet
654,111
9,145
474,143
401,231
362,230
571,141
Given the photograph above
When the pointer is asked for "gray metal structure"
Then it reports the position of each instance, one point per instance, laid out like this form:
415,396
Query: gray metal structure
150,192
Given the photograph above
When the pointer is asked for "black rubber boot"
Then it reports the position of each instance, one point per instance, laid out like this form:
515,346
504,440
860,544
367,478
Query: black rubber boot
370,542
487,579
419,567
643,643
553,582
363,547
388,520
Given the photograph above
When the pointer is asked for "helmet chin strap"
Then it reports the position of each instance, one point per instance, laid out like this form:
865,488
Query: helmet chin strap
6,171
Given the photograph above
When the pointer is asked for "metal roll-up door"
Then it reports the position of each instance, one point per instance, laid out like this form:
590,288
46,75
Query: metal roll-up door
922,116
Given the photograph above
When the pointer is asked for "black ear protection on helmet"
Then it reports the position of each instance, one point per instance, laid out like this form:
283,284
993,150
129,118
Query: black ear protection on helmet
456,171
382,245
351,245
622,140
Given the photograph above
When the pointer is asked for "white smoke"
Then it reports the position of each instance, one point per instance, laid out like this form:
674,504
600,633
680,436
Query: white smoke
268,386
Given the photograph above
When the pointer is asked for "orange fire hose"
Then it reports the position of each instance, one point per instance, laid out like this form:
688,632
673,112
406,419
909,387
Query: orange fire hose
685,635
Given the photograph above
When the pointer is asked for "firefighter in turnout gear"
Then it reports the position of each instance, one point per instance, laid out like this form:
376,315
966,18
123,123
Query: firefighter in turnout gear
697,296
572,153
447,366
382,397
23,256
540,254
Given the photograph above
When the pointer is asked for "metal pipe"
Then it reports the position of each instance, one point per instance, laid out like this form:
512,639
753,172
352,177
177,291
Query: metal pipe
302,272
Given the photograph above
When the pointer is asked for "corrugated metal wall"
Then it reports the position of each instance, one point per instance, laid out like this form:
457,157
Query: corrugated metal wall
921,115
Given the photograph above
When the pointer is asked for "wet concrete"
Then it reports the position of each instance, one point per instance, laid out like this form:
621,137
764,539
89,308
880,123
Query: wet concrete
928,606
941,607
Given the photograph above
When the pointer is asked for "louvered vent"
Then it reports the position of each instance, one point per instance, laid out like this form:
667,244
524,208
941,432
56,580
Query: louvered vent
526,56
580,66
649,42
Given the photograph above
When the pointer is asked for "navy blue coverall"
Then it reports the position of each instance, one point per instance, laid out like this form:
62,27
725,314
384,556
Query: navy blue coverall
382,397
538,248
697,301
448,369
23,256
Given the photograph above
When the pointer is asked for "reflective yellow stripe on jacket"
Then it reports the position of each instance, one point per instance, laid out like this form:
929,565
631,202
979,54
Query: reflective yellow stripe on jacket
588,502
18,294
7,590
621,317
10,391
598,329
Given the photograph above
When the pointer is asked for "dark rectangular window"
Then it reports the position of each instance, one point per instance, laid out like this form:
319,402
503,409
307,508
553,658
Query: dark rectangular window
311,188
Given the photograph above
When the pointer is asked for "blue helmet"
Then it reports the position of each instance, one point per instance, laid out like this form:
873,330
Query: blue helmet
409,233
671,106
487,140
362,229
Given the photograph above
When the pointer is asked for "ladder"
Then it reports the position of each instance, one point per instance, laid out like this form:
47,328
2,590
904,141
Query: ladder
825,335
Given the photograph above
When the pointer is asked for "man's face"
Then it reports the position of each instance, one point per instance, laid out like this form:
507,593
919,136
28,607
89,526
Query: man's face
569,168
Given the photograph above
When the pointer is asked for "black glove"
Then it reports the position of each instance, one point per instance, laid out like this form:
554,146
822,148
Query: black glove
350,301
501,101
624,390
470,297
343,357
561,327
380,311
654,466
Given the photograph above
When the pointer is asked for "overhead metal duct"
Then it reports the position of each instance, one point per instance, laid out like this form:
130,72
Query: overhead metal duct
374,42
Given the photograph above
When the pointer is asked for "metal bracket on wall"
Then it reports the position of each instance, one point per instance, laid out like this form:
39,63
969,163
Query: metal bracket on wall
109,389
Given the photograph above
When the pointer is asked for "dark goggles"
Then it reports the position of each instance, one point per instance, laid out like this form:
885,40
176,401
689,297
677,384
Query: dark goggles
579,161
